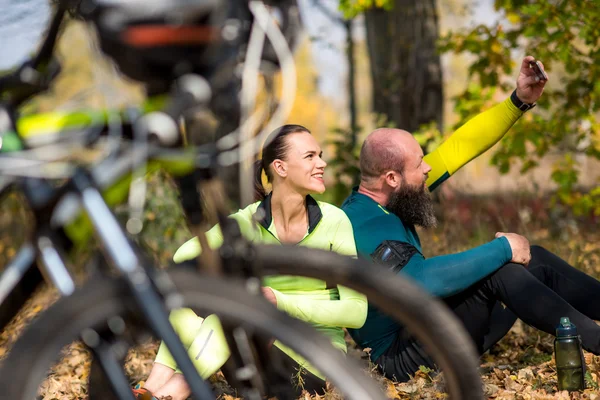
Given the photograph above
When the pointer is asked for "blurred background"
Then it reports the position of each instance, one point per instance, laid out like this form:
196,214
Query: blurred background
425,66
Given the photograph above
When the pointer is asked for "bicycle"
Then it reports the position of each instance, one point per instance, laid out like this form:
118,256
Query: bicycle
423,316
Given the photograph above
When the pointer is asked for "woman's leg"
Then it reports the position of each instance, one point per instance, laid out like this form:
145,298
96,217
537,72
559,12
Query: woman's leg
159,376
208,350
298,379
176,387
187,325
286,378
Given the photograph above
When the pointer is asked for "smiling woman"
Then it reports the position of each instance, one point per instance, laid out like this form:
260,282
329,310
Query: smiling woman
288,214
291,157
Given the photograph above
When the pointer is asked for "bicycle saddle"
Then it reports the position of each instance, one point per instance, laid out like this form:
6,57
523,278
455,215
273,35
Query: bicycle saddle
156,41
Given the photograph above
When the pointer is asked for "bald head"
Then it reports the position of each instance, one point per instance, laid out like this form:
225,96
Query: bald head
383,150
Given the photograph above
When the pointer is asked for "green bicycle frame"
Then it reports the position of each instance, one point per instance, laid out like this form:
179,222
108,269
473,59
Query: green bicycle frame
54,124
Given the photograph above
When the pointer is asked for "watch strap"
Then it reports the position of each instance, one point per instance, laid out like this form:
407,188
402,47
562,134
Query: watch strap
519,103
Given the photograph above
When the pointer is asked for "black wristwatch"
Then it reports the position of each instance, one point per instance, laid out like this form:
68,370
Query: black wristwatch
519,104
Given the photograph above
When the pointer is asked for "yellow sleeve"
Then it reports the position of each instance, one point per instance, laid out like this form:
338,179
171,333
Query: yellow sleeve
191,248
350,311
470,140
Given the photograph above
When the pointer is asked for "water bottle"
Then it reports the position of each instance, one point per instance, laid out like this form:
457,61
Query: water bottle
570,366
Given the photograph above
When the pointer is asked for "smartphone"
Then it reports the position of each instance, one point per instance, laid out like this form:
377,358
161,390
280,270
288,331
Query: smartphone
537,68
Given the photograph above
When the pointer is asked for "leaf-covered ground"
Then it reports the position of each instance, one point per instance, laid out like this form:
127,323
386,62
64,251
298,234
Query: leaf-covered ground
520,366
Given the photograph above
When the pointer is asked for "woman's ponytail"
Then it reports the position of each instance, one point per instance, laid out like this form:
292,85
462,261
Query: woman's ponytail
259,190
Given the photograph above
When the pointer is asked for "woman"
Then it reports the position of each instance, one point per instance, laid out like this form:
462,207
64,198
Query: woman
293,165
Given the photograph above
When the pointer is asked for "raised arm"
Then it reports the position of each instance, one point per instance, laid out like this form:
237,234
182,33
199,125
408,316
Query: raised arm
470,140
486,129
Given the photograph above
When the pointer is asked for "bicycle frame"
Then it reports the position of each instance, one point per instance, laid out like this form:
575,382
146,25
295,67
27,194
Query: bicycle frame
113,178
84,189
46,248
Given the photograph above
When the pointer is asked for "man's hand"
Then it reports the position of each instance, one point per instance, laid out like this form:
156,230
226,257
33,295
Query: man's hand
529,86
521,251
269,295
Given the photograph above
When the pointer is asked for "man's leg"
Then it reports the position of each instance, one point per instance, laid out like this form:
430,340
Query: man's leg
526,293
533,302
403,358
472,306
501,320
476,309
577,288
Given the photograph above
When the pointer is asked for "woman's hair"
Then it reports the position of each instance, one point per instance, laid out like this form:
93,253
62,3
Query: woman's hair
275,148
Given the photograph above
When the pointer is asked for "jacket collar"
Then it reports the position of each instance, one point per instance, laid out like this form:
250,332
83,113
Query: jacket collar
312,207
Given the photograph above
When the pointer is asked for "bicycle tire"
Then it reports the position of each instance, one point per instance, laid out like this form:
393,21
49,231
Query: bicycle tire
428,319
35,351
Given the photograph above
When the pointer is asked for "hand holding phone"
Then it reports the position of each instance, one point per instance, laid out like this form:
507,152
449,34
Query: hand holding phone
539,70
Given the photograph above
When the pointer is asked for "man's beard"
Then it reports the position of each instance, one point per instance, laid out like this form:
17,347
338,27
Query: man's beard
413,205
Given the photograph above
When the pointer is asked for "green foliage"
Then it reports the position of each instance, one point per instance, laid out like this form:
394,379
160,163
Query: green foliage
344,164
345,161
165,227
428,136
564,35
351,8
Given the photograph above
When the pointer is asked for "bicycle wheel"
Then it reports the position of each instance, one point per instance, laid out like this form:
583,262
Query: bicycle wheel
33,354
425,317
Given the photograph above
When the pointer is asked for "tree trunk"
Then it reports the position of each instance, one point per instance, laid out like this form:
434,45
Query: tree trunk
348,24
405,67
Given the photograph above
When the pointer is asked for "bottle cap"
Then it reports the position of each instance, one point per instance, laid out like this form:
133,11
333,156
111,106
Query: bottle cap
566,328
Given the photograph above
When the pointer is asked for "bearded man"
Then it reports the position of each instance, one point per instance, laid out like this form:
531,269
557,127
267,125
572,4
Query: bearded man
393,197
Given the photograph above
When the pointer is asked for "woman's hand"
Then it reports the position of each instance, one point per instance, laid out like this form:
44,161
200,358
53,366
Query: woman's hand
269,295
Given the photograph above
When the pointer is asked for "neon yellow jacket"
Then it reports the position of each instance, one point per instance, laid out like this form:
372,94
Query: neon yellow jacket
329,309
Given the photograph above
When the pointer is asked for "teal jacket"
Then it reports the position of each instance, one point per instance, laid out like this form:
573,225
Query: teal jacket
443,275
